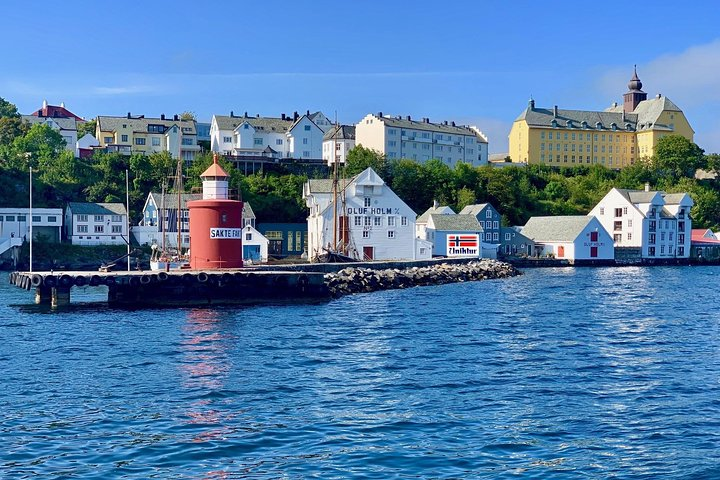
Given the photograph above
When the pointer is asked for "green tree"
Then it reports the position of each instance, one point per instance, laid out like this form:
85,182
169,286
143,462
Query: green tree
676,156
86,127
465,197
359,158
8,109
188,115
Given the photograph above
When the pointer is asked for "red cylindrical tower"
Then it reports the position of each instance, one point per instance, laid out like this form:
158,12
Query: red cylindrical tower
216,224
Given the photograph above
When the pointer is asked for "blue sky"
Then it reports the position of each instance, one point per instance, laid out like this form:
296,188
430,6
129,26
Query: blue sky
474,62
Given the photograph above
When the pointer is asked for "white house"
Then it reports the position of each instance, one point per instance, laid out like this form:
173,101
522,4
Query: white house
85,145
657,224
578,237
255,245
337,142
422,220
421,140
15,227
59,119
289,136
373,223
96,223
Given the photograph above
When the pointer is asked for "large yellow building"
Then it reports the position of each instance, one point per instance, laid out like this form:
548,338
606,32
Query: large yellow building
616,137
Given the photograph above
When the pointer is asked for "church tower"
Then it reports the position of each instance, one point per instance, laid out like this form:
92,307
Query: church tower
634,94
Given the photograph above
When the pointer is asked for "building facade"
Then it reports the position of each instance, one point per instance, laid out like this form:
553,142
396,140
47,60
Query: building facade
255,245
96,223
421,140
15,224
489,218
137,134
289,136
285,239
449,231
422,220
571,238
515,243
372,222
337,142
59,119
657,224
619,136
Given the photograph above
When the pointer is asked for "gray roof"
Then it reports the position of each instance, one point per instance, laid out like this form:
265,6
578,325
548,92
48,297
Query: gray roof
555,229
78,208
140,125
432,127
63,123
456,223
324,185
637,196
673,198
344,132
644,117
171,199
474,209
432,210
247,211
265,124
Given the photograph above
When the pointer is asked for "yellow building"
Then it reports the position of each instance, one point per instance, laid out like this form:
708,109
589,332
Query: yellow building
616,137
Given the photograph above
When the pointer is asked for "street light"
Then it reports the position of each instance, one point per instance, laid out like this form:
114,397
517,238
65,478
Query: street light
27,156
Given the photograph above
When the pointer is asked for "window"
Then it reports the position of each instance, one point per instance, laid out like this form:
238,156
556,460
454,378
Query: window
392,131
22,218
496,236
593,236
258,141
681,251
229,139
108,139
139,141
185,141
307,128
681,238
629,235
391,221
391,234
278,141
403,221
630,223
156,142
99,228
367,201
124,138
652,239
118,218
51,219
651,251
36,219
488,224
82,229
117,229
273,235
366,233
98,218
367,221
80,218
617,225
298,240
496,224
305,141
618,212
248,236
662,236
681,226
392,143
662,249
507,237
602,210
617,238
488,214
358,221
377,221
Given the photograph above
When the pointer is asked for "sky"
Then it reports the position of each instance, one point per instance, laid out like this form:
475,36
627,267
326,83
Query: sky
472,62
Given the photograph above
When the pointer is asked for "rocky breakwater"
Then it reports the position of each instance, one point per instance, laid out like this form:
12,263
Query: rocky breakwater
361,280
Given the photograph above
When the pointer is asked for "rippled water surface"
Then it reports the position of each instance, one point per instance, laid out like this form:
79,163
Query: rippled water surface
560,373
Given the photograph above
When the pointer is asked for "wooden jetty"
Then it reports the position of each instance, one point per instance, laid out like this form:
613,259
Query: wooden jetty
178,287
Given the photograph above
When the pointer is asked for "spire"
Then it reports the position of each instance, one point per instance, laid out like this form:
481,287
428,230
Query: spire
635,84
634,95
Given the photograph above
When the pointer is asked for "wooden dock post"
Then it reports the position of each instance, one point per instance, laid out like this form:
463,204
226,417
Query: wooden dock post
60,297
43,295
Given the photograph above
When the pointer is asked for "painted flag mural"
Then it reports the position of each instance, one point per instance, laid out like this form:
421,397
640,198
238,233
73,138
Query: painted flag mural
463,245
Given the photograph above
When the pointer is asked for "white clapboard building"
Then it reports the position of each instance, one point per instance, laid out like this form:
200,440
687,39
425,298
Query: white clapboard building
372,223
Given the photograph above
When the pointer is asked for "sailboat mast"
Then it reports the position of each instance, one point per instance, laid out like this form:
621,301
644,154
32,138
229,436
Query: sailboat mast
335,188
179,187
162,215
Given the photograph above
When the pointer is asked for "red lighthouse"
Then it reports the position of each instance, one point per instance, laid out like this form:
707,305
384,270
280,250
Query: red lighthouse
215,224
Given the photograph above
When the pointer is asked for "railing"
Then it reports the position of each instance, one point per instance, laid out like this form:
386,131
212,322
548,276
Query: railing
9,243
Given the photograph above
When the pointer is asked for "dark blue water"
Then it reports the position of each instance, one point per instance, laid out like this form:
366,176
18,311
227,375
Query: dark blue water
560,373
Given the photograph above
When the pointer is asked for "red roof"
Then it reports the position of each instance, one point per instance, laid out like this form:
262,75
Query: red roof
214,170
698,236
55,111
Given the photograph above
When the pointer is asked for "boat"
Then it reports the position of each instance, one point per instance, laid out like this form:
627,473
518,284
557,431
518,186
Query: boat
165,258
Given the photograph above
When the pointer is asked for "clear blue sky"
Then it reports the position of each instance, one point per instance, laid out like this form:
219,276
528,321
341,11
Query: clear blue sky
475,62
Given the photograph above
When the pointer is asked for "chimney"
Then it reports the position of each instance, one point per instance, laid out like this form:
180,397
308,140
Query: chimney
436,204
282,116
295,116
308,113
531,103
232,114
162,116
623,115
555,111
445,122
647,186
176,118
257,115
45,104
128,114
246,115
379,114
452,123
62,104
408,118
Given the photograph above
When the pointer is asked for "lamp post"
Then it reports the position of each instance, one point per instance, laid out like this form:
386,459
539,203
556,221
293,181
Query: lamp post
28,155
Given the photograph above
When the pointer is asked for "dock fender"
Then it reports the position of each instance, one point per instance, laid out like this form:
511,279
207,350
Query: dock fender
187,278
95,280
50,281
203,277
162,276
80,280
145,279
227,278
26,282
13,276
36,280
303,282
66,281
109,281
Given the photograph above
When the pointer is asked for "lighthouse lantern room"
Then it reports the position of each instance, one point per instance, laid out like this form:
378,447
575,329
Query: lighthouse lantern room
215,224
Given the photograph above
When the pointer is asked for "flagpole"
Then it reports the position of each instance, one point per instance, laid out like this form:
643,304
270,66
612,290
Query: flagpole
127,219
